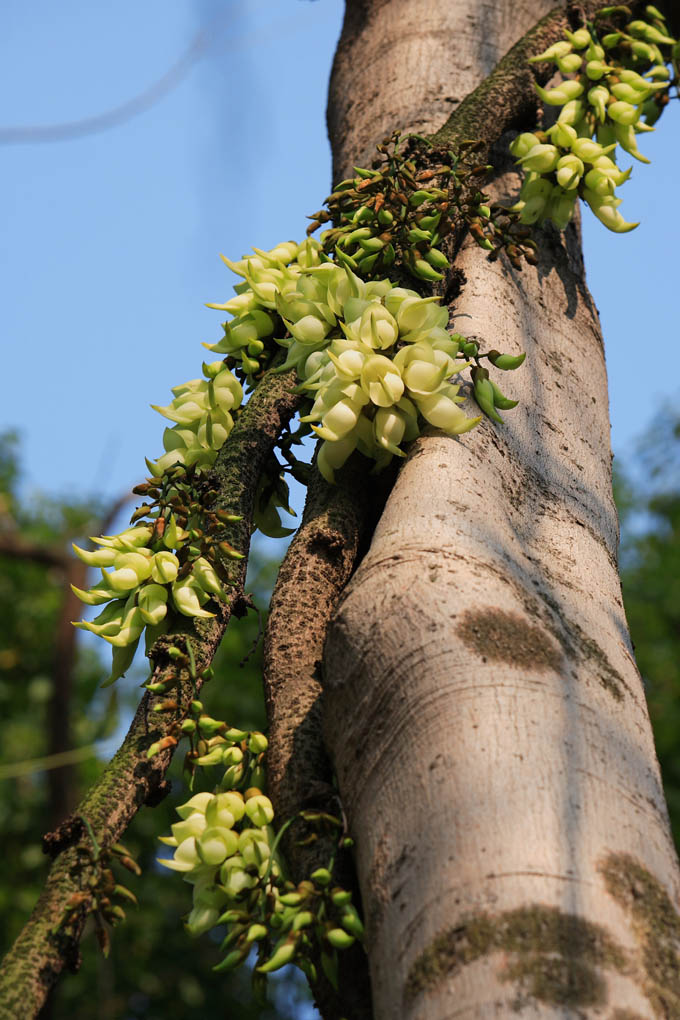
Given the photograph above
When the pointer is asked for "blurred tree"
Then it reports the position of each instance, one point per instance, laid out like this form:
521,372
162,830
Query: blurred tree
649,504
136,980
32,594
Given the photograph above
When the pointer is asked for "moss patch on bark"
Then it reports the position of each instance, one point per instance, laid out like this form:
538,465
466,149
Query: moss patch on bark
507,637
556,958
656,925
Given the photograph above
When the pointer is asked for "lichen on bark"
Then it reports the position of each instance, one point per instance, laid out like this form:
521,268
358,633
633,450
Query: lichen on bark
656,924
555,957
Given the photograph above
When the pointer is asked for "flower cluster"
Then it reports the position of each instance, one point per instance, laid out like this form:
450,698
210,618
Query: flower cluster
383,365
224,846
171,561
374,360
267,277
141,578
398,213
97,893
617,79
201,408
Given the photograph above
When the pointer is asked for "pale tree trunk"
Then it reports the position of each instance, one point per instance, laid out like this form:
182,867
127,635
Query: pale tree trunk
483,709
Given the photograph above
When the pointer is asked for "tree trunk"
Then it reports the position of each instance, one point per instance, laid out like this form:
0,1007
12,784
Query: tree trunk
485,715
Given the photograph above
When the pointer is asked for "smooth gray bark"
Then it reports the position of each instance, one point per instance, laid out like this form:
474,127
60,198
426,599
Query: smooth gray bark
483,708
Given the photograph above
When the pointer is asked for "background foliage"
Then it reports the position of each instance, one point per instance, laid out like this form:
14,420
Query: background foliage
154,969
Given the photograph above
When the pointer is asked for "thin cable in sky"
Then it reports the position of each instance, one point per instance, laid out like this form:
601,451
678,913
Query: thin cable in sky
119,114
140,103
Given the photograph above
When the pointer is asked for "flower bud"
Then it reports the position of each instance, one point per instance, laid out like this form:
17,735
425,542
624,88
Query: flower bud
187,596
561,207
259,809
331,456
282,955
378,328
425,271
442,412
339,938
625,136
389,425
595,69
623,113
417,315
578,39
649,33
569,171
569,64
257,743
558,49
542,158
194,825
599,182
216,844
164,567
562,134
381,381
152,602
321,876
588,150
339,420
598,97
97,557
309,329
185,857
606,210
561,94
571,113
223,807
205,576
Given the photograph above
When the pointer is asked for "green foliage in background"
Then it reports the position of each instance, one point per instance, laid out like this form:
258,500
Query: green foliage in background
30,598
649,504
154,971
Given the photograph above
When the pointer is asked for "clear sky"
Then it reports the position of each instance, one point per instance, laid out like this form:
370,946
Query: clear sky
111,240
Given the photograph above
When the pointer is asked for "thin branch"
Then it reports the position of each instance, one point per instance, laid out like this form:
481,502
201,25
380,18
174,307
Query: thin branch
17,548
43,948
51,761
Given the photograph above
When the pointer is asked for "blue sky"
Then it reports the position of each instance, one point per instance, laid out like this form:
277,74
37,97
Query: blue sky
111,240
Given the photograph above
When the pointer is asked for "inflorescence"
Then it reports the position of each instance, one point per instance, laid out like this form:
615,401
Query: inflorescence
375,364
615,85
225,846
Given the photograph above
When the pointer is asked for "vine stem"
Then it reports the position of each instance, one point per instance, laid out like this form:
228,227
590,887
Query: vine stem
43,948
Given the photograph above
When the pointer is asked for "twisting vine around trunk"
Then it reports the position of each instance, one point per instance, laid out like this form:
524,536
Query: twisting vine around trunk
45,945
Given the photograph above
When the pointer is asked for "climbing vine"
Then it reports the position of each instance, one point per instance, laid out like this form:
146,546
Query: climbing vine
375,364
